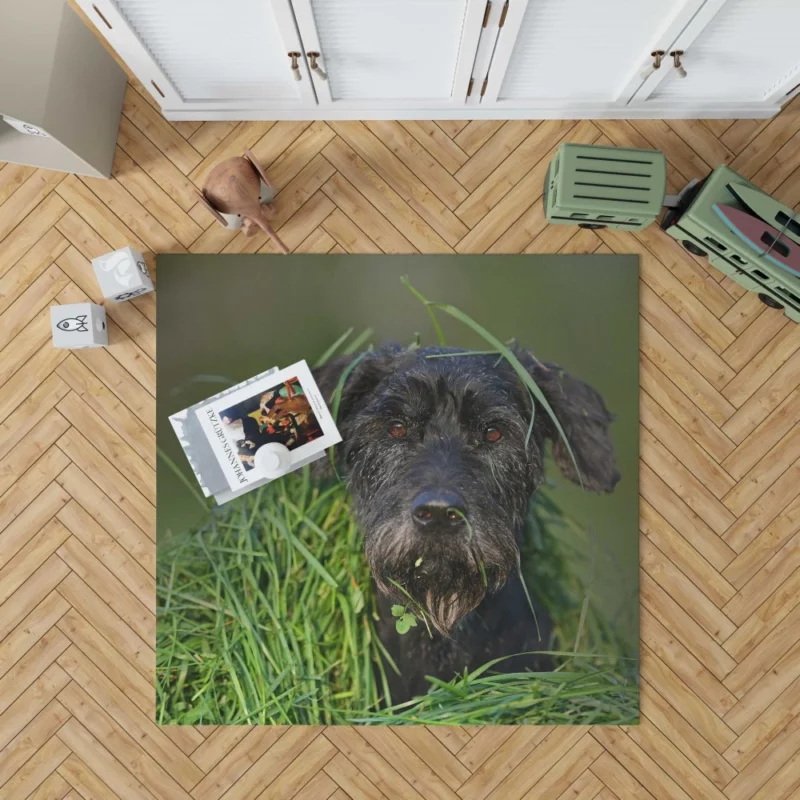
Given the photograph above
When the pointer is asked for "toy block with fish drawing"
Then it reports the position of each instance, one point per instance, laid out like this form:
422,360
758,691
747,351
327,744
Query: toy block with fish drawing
122,274
79,325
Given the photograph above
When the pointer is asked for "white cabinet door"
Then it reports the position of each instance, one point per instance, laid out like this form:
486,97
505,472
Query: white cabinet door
734,51
208,54
398,54
578,53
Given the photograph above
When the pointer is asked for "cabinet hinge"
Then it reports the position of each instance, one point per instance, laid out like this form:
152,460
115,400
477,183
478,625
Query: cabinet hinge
469,88
487,12
483,88
503,15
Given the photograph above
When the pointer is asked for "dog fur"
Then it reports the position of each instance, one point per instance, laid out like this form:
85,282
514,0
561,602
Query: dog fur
441,460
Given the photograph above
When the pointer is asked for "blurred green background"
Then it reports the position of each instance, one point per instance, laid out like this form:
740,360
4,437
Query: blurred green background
224,318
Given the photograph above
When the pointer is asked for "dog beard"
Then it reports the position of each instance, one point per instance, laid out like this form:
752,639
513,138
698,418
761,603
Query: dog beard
445,581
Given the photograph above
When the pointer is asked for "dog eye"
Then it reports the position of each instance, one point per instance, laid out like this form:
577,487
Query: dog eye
397,429
492,435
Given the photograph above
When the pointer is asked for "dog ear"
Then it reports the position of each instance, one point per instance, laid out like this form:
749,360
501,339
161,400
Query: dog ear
585,419
363,379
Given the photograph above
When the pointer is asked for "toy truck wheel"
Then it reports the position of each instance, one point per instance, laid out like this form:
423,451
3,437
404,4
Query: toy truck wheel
769,301
592,226
693,248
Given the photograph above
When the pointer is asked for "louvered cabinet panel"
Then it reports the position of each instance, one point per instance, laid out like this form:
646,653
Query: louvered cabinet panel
207,53
229,50
581,50
749,51
393,52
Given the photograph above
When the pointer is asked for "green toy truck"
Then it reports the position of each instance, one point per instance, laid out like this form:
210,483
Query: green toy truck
700,230
605,187
608,187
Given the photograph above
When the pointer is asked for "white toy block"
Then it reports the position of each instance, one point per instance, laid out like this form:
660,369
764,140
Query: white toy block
122,274
79,325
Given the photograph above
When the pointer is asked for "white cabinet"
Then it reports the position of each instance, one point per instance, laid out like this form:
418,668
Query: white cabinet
338,59
734,51
568,53
394,54
206,55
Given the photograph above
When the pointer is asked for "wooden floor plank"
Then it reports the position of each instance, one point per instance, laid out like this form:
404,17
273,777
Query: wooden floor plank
437,143
682,555
684,737
684,592
764,729
227,772
31,703
364,216
690,633
119,743
155,164
110,480
30,267
683,519
32,737
475,134
25,199
109,516
152,197
502,179
136,108
684,448
124,594
31,629
30,230
12,176
684,375
429,171
719,498
394,191
105,769
759,593
38,769
684,412
209,135
493,152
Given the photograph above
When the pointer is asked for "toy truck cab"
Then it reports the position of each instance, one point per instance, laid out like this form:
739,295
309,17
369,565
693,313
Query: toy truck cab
702,232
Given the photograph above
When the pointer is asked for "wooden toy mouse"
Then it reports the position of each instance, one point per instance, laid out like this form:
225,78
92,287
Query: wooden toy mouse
233,188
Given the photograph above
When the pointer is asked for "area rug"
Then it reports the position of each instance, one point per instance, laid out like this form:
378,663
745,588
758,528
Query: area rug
467,555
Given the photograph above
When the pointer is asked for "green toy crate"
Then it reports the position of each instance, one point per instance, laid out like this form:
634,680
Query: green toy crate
605,187
697,226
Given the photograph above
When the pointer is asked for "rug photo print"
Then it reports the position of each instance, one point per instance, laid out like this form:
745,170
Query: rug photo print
467,555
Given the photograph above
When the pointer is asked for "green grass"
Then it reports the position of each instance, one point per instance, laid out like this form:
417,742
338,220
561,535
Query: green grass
266,616
544,698
263,615
266,613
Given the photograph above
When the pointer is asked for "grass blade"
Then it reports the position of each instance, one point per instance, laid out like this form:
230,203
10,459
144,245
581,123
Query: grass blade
358,342
328,354
436,326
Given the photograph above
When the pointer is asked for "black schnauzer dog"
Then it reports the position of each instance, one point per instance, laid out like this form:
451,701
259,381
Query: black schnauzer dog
440,458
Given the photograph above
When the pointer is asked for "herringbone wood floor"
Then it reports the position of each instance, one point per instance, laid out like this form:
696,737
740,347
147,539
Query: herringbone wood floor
720,471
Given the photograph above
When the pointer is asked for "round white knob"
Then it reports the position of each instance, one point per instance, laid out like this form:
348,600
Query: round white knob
273,460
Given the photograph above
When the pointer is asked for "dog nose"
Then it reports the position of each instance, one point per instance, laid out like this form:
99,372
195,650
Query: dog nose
439,509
